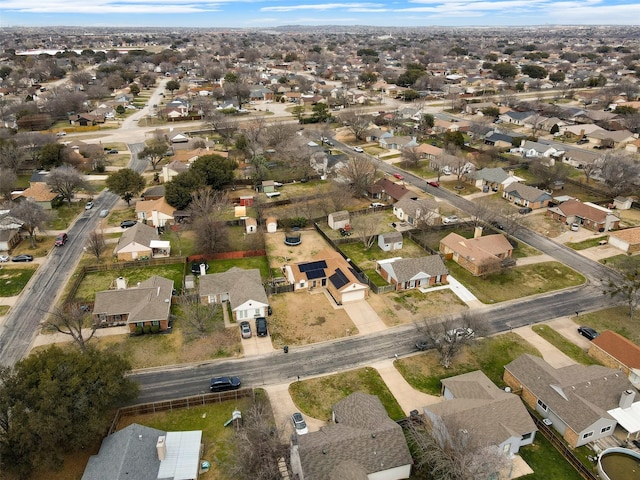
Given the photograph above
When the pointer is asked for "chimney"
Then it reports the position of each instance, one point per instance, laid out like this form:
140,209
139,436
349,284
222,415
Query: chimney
203,269
121,283
626,399
161,447
477,232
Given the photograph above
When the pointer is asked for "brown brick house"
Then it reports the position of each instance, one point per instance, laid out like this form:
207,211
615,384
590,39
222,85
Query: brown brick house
479,255
615,351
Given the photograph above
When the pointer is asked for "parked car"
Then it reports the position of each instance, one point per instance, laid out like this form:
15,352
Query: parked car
458,334
127,223
376,204
223,384
525,210
446,170
358,149
61,134
299,424
587,332
434,184
245,329
104,213
61,239
575,227
398,176
423,345
450,219
195,267
22,258
113,151
261,327
88,206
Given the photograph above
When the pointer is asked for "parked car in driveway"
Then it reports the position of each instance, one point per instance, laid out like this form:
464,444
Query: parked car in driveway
22,258
587,332
451,219
376,204
127,223
299,424
261,327
245,329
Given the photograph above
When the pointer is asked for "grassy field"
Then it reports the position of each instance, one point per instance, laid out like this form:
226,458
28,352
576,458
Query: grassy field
565,346
63,215
591,242
13,280
366,259
316,396
43,245
546,462
517,282
97,281
623,263
616,319
490,355
261,263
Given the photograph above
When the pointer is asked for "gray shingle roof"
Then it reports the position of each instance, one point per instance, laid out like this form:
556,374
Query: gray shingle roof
526,192
493,175
417,208
580,395
406,269
139,233
364,437
241,285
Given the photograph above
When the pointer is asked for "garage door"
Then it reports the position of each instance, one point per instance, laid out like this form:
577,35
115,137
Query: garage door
352,296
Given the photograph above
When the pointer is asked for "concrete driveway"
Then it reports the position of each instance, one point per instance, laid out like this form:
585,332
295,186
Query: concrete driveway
364,317
256,345
550,354
569,329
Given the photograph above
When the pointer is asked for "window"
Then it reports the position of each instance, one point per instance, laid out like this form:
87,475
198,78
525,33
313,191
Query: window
140,324
542,405
257,313
155,323
587,435
117,318
527,436
605,429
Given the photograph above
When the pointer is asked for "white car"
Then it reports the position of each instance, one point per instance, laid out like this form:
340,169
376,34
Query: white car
376,204
458,334
88,206
450,220
4,258
299,424
446,171
358,149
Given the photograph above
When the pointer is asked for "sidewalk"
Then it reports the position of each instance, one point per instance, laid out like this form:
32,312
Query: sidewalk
460,290
62,338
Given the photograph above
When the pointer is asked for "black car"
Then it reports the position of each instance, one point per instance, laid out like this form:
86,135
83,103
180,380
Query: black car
223,384
587,332
423,345
195,267
127,223
525,210
261,327
22,258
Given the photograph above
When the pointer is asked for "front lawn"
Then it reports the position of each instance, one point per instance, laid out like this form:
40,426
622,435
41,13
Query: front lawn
97,281
623,263
616,319
64,215
567,347
491,354
591,242
316,396
517,282
13,280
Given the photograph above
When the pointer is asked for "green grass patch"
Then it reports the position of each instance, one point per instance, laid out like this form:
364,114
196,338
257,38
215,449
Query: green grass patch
366,259
64,215
261,263
615,319
115,217
517,282
491,354
4,309
97,281
375,278
546,462
315,397
13,280
567,347
591,242
623,263
525,250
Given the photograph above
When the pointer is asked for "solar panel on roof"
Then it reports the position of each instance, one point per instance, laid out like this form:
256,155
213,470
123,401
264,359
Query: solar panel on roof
339,279
305,267
311,274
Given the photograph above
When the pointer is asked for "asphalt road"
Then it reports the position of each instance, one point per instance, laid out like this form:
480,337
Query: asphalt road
20,326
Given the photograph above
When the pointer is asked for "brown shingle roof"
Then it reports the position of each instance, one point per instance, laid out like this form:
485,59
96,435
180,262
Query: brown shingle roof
394,190
39,192
620,348
629,235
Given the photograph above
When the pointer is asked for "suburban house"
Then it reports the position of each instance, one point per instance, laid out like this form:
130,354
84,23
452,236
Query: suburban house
517,118
500,140
38,192
408,273
587,214
397,142
173,169
579,158
627,240
583,403
328,270
153,193
337,220
529,149
362,442
495,179
480,255
155,212
491,416
390,241
146,453
416,213
242,288
615,351
526,196
616,137
387,191
145,305
139,242
9,230
428,151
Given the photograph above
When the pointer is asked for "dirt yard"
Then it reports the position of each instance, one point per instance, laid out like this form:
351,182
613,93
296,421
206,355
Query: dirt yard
280,254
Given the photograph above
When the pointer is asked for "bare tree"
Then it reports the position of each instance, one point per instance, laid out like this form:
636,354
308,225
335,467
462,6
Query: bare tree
212,234
7,183
154,152
65,181
366,226
357,121
590,169
207,202
411,156
338,198
95,245
360,172
620,172
71,319
257,446
12,155
198,318
628,289
33,216
447,451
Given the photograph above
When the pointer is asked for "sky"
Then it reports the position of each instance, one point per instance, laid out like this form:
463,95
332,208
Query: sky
273,13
